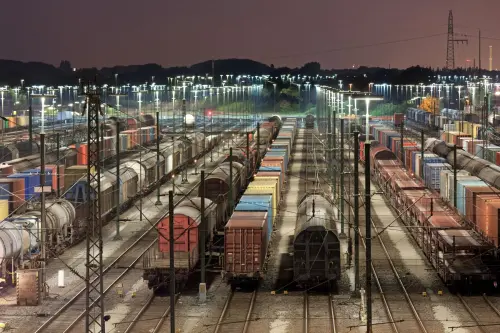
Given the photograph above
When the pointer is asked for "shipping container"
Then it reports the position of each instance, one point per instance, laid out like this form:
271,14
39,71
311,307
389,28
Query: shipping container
471,194
245,247
30,182
432,174
13,190
259,203
487,215
249,210
461,186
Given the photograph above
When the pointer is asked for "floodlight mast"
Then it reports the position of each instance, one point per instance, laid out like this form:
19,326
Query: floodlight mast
94,303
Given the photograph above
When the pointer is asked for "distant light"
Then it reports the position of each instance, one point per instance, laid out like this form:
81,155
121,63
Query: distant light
497,93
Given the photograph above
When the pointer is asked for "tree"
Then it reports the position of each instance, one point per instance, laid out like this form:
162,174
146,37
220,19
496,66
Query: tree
65,66
430,104
311,68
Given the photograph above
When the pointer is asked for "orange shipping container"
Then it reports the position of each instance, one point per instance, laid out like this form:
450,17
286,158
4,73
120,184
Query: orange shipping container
487,217
16,204
82,153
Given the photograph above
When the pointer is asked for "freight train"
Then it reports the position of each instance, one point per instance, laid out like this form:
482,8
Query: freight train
449,120
418,185
67,217
217,187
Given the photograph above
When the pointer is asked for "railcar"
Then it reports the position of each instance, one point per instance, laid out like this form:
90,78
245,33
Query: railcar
316,245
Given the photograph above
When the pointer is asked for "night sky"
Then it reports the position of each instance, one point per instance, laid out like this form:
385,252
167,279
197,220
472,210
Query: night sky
282,32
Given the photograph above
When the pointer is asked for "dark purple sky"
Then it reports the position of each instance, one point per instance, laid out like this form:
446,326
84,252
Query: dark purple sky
283,32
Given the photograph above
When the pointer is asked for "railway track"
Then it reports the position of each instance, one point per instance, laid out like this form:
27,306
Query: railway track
484,314
316,314
151,316
236,313
402,315
66,318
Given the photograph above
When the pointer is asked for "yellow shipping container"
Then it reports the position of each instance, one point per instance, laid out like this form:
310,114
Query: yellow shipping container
22,120
4,209
276,178
265,187
12,122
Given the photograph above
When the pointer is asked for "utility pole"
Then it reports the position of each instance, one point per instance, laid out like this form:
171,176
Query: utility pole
356,212
158,184
30,121
231,203
58,179
203,231
213,73
258,144
44,229
422,142
184,141
118,183
94,307
455,176
330,148
342,219
334,161
172,262
402,144
368,237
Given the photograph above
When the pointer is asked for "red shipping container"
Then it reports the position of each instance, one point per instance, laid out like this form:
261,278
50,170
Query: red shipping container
134,136
55,176
6,170
398,118
471,146
245,246
131,123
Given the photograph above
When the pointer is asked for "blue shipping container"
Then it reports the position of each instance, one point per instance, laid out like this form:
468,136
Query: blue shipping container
258,207
30,182
432,174
48,175
461,185
5,191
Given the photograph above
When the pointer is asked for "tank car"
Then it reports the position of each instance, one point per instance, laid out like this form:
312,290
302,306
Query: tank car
20,235
316,245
